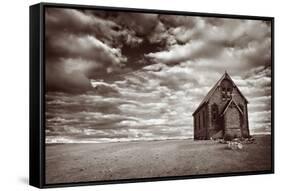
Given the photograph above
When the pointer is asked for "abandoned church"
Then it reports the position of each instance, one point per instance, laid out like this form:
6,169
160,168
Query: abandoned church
222,113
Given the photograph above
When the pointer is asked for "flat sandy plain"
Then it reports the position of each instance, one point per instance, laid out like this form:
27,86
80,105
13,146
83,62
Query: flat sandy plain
67,163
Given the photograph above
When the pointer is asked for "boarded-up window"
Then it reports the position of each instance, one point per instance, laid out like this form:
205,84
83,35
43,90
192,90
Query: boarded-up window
215,111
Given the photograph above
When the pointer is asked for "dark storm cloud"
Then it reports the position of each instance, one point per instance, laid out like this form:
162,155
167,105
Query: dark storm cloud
90,44
79,47
178,21
142,24
71,21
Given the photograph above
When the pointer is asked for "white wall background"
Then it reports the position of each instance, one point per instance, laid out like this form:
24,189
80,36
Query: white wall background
14,73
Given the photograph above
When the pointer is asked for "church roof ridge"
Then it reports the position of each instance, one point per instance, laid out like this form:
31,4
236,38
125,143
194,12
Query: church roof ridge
212,90
227,106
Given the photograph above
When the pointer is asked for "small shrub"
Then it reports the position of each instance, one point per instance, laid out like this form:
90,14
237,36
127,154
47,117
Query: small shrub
248,137
228,137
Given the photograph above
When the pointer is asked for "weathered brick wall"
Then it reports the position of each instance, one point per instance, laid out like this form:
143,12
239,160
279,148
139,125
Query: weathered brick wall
200,119
239,100
246,130
232,122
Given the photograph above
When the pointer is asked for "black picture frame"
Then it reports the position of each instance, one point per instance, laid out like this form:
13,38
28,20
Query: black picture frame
37,94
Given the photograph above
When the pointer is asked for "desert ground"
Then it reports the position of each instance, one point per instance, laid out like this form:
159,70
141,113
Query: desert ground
126,160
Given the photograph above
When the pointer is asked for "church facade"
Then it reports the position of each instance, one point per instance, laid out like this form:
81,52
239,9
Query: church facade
222,113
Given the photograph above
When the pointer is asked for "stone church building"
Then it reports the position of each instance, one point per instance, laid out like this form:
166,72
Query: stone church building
223,112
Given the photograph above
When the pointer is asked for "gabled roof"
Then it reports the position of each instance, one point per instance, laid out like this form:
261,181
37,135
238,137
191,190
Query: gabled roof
227,106
211,92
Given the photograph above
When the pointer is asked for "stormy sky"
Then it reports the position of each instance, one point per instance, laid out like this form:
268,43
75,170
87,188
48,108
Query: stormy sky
119,76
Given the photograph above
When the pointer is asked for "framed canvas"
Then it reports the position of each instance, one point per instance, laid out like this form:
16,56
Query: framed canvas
126,95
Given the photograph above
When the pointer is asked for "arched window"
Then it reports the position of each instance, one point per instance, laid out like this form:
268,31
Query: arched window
215,112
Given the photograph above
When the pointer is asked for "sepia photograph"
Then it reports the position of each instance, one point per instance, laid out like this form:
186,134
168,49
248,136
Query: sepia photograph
135,95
